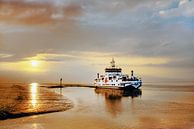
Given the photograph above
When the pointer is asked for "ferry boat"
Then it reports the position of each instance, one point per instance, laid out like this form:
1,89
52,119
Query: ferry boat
114,78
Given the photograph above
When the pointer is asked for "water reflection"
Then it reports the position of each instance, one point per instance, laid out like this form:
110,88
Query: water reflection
118,94
34,93
113,98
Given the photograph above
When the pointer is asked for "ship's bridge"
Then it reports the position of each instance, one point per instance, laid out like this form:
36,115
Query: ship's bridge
113,70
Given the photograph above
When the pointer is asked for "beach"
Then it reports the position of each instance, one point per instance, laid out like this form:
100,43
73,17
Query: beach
151,107
18,100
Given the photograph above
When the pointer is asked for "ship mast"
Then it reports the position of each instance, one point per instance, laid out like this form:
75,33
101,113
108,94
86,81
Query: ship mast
112,63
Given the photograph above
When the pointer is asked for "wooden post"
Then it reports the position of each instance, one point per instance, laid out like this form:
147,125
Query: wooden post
61,80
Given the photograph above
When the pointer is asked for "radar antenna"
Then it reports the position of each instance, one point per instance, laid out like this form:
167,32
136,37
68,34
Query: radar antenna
112,63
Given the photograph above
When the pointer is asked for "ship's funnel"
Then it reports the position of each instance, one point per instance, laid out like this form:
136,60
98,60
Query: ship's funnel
98,76
131,73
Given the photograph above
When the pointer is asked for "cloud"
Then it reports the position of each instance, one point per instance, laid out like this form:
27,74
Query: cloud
35,13
182,2
51,57
2,55
178,63
77,31
184,9
24,13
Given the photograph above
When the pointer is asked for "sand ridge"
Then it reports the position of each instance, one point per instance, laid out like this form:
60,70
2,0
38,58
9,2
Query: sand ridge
22,100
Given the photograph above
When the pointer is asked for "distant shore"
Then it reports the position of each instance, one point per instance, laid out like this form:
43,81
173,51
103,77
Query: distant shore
68,85
19,100
179,87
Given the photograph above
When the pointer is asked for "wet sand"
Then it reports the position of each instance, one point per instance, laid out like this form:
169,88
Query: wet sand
154,107
25,100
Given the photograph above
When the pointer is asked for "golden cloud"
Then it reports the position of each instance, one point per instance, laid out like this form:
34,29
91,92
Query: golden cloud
36,13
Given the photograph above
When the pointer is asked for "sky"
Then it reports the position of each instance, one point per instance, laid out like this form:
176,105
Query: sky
45,40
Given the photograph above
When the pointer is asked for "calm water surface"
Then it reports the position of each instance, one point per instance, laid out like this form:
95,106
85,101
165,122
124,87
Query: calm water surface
102,102
149,108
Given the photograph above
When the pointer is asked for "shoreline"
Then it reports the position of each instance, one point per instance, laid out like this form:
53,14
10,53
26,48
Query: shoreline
20,101
102,107
67,85
189,88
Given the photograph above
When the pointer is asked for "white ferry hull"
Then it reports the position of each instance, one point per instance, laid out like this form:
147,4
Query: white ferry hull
123,85
114,78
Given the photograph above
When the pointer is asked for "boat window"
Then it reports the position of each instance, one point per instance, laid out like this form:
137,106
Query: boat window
124,78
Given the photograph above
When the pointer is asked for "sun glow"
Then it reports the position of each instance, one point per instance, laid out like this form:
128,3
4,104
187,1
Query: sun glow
34,63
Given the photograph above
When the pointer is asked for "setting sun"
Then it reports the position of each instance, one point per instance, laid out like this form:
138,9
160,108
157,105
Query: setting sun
34,63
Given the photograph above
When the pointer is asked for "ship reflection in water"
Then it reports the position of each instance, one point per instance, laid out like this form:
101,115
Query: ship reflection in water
107,102
113,98
118,94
